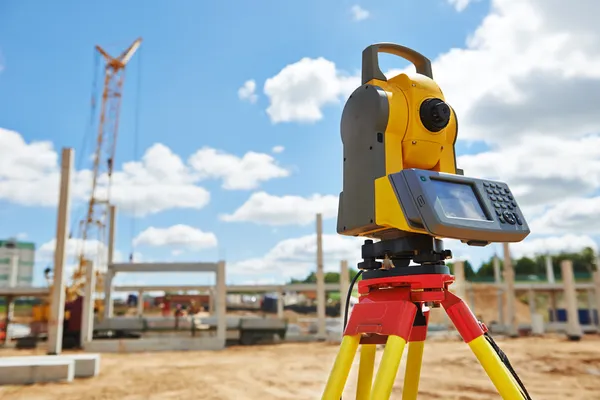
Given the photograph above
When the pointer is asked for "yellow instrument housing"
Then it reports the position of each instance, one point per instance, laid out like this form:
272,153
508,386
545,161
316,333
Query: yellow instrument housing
383,133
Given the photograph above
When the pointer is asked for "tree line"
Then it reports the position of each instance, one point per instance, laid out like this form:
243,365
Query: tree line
583,265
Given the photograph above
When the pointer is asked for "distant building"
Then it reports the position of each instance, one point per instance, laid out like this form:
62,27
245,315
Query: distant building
16,263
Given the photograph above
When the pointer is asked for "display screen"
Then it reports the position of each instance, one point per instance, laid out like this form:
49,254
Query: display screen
458,200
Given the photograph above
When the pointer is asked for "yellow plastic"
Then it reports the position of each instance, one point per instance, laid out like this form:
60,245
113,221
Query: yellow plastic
413,370
365,371
388,368
341,368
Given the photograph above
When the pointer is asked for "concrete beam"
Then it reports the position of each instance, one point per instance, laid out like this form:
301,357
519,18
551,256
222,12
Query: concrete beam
24,291
85,365
163,267
509,281
295,287
155,344
36,369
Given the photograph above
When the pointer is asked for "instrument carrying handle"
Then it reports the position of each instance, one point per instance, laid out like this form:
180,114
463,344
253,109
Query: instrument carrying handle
370,60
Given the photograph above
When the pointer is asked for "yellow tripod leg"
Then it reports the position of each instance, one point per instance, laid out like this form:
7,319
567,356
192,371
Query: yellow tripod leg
341,368
495,369
365,371
412,373
388,368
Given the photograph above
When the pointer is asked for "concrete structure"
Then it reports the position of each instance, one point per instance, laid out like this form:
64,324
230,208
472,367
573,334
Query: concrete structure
87,317
57,304
596,284
16,263
30,370
164,344
321,298
509,288
574,331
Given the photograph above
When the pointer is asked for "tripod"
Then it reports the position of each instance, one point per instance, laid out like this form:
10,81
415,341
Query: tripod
394,310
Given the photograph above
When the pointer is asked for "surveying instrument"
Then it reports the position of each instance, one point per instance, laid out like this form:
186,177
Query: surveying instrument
402,187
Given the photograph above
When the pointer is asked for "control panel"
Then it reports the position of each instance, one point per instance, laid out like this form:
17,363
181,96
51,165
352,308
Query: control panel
475,211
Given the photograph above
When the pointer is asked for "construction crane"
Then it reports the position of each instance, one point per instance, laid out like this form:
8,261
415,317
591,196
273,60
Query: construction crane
103,163
108,126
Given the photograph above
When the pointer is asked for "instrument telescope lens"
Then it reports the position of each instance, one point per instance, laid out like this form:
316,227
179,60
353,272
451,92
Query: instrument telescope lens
435,114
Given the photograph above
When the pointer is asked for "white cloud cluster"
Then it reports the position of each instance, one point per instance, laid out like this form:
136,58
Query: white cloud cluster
161,180
178,237
278,149
300,90
265,209
359,13
459,5
248,91
237,173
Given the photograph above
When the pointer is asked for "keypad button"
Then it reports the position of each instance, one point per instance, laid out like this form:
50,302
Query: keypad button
486,184
513,204
493,198
499,212
504,206
496,205
506,190
490,191
509,197
518,219
508,216
496,191
501,219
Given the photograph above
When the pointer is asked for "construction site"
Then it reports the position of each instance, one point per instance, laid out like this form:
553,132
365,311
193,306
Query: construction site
83,336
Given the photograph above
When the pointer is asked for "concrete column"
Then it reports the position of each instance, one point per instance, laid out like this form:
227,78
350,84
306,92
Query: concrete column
344,286
497,270
532,303
87,317
108,300
10,310
211,301
596,276
471,291
590,306
57,305
549,270
14,270
460,283
509,285
499,290
140,303
574,331
553,307
280,303
321,298
221,303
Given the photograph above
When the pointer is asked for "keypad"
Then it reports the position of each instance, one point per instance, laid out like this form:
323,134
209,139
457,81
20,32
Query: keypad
504,203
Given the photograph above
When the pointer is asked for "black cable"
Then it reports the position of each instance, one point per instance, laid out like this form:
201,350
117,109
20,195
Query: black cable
506,362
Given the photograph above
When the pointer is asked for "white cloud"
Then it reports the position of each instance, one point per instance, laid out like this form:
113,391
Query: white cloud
178,236
300,90
161,180
535,172
22,236
263,208
248,91
242,173
297,257
359,13
459,5
278,149
572,215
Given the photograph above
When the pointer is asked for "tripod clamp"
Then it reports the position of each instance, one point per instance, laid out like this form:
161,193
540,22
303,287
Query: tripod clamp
427,252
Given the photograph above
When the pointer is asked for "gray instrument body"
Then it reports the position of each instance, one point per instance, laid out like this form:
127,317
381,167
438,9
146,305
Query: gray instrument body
475,211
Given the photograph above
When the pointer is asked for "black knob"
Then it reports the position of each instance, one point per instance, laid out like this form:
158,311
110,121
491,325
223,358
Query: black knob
435,114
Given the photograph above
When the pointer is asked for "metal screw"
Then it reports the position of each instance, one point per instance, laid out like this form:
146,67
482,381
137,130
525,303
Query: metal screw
414,142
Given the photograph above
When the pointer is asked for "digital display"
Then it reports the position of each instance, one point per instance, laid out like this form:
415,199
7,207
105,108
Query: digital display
458,200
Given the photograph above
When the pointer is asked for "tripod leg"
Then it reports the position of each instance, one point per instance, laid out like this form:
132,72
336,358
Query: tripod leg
412,373
388,368
341,368
365,371
473,334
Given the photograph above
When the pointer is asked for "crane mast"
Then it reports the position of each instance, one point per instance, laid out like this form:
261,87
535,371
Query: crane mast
103,162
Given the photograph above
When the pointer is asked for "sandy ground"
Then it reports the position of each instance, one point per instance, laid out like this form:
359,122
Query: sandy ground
551,368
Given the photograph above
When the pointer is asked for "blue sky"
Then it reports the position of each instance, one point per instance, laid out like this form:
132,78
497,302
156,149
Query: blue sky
193,59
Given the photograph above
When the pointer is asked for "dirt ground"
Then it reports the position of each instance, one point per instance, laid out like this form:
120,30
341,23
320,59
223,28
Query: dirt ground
551,368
